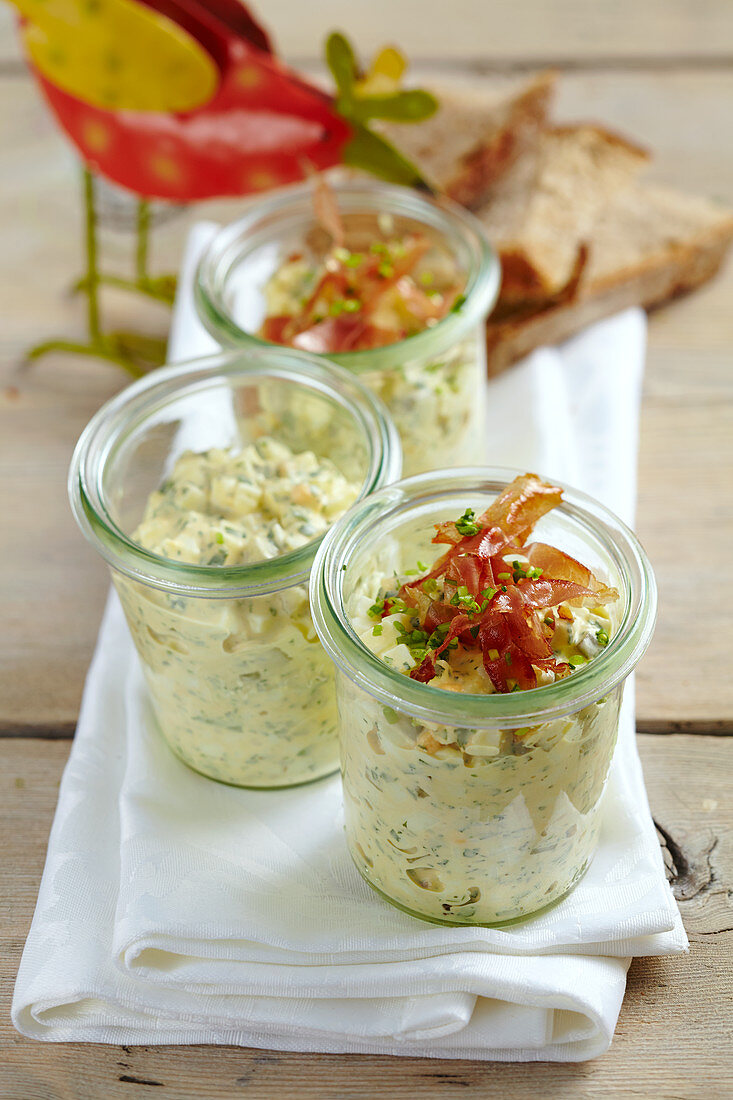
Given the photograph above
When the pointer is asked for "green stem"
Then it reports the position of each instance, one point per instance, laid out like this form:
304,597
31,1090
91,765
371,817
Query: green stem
143,236
92,280
96,351
150,287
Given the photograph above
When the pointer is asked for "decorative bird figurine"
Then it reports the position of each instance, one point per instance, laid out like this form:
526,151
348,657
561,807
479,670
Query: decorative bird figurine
184,100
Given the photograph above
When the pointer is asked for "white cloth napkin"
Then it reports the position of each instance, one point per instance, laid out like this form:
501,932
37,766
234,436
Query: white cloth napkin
175,910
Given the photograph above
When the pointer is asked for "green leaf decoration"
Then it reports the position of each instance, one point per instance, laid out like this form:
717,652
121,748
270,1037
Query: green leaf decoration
367,150
410,106
370,152
341,60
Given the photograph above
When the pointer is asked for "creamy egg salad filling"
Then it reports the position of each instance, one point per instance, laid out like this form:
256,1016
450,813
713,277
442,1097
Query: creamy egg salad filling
577,635
242,689
381,295
480,826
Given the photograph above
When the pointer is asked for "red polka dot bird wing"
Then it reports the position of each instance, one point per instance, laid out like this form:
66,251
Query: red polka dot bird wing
178,100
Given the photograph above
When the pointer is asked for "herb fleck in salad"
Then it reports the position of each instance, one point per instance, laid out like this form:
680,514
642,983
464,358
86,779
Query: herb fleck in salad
496,609
481,824
351,301
242,689
376,285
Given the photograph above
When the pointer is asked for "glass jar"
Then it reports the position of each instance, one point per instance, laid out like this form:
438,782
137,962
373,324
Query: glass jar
242,690
433,383
499,815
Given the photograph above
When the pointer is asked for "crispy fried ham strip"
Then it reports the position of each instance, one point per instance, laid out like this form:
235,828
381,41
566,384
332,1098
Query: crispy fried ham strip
505,620
522,505
322,325
314,329
326,209
515,512
558,564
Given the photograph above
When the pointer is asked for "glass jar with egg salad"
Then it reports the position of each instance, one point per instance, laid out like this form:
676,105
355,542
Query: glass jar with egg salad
482,628
207,488
393,286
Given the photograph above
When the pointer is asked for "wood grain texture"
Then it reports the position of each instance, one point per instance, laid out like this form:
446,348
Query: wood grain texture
530,32
52,586
672,1039
662,70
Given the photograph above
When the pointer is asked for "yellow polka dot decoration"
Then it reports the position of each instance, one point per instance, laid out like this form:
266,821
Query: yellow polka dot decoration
117,54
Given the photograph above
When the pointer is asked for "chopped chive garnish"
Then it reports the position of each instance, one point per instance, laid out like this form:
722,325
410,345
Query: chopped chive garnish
462,598
466,525
344,305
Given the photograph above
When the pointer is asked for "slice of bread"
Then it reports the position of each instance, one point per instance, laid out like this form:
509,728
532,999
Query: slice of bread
475,136
649,245
540,214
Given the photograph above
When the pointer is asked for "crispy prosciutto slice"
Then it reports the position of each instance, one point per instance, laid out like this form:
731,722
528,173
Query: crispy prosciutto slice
522,505
479,597
366,299
550,592
558,564
514,513
331,334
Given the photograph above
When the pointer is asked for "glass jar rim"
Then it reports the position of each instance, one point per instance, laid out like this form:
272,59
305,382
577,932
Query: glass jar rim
295,205
124,412
453,709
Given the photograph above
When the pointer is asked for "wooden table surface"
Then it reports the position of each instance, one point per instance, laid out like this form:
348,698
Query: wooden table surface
662,70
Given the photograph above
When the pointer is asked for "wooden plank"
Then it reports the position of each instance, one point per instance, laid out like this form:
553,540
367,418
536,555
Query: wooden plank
535,31
686,463
9,51
673,1034
531,30
686,454
52,586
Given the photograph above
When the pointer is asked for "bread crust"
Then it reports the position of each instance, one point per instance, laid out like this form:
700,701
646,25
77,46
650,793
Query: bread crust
473,141
541,214
578,235
480,167
678,265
